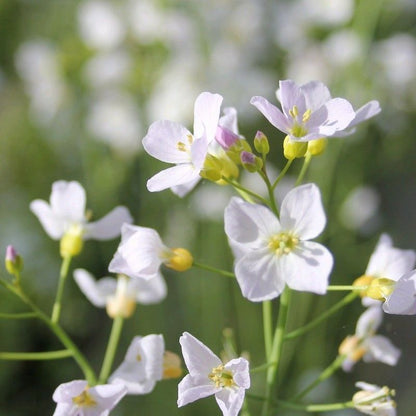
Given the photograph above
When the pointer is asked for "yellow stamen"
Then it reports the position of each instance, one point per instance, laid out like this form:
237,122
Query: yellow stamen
294,111
84,399
283,243
221,377
306,115
181,146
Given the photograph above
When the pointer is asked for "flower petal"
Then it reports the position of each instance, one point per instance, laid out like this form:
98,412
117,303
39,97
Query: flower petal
53,225
239,368
68,201
369,321
66,391
206,115
302,212
230,401
403,299
291,95
176,175
107,396
149,291
184,189
272,113
189,390
381,349
109,226
316,94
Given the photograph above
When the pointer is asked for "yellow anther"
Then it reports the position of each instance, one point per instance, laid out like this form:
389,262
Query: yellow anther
190,138
181,146
283,243
362,283
138,357
221,377
306,115
71,242
84,399
179,259
294,112
171,365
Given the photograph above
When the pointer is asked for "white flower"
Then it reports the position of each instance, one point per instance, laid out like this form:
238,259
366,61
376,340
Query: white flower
141,253
76,398
374,400
366,344
142,366
66,213
402,300
208,376
271,252
172,143
120,294
310,113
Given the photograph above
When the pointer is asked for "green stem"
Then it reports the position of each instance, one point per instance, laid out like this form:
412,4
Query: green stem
247,191
272,203
305,166
343,288
261,367
335,365
111,349
213,269
326,407
46,355
312,324
277,346
22,315
282,173
267,327
57,306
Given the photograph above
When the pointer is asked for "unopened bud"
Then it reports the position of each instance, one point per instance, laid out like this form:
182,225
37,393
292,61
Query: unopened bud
225,137
317,147
251,162
180,260
13,262
172,367
235,150
261,143
71,243
292,149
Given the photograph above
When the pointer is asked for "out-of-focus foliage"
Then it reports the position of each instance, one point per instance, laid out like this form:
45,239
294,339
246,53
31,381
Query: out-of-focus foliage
79,84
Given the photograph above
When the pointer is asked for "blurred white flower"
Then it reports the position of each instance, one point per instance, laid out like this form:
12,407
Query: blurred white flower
76,398
114,118
342,48
327,12
374,400
100,24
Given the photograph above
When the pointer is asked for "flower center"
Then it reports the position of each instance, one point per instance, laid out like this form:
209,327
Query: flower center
221,377
283,243
84,400
185,147
298,128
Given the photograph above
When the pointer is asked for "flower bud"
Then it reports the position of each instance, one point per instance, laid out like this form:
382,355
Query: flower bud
225,137
180,260
71,242
121,304
250,161
352,348
292,149
261,143
317,147
13,262
171,365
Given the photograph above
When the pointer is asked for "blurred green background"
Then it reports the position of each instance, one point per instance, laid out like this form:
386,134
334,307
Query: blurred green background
80,81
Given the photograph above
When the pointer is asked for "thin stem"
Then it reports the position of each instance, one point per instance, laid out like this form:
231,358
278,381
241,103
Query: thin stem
326,407
261,367
213,269
282,173
343,288
335,365
46,355
21,315
312,324
242,188
57,306
272,203
267,327
111,349
305,166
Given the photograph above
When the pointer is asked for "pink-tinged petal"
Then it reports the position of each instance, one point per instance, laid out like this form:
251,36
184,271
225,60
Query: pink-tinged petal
245,222
68,201
272,113
316,94
239,368
184,189
96,292
176,175
230,401
225,137
369,321
381,349
199,359
332,117
403,299
257,275
307,268
388,261
302,212
149,291
162,140
206,115
189,390
53,225
109,226
66,391
291,95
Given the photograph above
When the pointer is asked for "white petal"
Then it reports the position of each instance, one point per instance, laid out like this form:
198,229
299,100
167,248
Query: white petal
369,321
291,95
149,291
109,226
68,201
96,292
66,391
302,212
308,268
257,275
230,401
271,112
64,409
381,349
206,115
189,391
182,190
371,109
107,395
403,299
53,225
162,140
199,359
239,368
316,94
176,175
229,119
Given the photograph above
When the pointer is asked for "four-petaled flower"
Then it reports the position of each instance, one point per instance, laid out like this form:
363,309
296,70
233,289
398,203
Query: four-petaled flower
310,113
209,376
171,142
271,252
76,398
